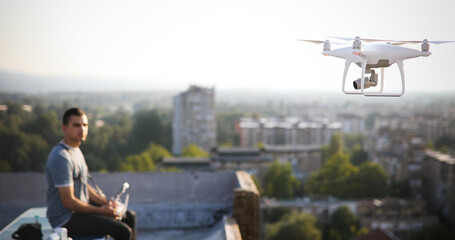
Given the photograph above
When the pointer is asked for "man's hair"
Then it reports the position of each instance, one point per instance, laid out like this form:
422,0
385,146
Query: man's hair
70,112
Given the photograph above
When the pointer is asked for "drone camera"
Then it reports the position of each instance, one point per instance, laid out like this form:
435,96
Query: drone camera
371,81
357,83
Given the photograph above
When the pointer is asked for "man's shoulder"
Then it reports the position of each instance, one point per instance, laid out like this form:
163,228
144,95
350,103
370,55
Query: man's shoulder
58,151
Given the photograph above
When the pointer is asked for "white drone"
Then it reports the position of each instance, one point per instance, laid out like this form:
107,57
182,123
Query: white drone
375,55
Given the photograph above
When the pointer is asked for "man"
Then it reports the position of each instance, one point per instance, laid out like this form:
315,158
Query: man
69,196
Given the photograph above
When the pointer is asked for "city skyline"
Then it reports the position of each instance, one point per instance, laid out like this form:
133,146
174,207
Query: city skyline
227,45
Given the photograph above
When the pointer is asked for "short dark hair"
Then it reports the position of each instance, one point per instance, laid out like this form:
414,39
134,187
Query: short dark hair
70,112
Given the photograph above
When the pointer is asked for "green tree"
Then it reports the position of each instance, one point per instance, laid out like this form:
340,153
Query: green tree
21,151
260,145
294,226
280,182
344,225
109,144
351,140
156,152
144,161
333,177
149,128
339,178
358,155
45,125
4,166
336,145
275,214
137,163
193,150
226,128
371,181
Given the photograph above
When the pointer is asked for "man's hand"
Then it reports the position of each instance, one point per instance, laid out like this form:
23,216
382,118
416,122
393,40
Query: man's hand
111,209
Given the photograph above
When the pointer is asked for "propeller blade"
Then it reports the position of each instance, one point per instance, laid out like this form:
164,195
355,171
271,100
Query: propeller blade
441,42
397,42
312,41
419,42
342,38
320,42
393,42
364,39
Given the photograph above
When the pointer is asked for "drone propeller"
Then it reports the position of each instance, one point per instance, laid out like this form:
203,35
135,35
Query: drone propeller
393,42
312,41
418,42
320,41
363,39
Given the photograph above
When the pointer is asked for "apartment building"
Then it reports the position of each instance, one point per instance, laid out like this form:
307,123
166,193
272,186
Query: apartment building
438,183
194,119
285,131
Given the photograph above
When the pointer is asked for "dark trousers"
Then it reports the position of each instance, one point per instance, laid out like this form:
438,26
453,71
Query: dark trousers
89,224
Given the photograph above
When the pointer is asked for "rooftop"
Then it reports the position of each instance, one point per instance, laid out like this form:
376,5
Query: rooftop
440,156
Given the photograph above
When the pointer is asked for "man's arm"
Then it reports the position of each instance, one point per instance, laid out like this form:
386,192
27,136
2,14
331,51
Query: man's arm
95,197
71,202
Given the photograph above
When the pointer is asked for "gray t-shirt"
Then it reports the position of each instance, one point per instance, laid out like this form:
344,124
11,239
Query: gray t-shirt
65,166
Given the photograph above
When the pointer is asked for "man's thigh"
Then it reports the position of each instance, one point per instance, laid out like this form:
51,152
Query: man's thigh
85,224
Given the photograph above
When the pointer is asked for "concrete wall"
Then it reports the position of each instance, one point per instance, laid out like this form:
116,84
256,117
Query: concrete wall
162,200
19,192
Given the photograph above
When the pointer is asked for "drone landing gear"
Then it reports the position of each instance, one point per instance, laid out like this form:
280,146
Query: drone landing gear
365,82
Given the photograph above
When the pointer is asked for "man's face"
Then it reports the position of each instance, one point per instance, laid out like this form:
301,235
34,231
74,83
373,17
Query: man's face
77,128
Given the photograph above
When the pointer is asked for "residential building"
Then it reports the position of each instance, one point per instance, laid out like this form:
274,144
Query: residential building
304,159
438,183
252,160
194,119
285,131
351,123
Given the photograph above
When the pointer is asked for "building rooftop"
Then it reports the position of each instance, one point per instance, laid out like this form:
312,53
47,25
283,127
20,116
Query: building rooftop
237,151
185,160
295,148
440,156
185,205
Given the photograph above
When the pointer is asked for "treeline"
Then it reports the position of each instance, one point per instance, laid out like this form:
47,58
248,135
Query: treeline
284,223
119,140
115,134
346,173
28,134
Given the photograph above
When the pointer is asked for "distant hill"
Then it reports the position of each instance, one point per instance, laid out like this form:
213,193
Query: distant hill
143,90
29,83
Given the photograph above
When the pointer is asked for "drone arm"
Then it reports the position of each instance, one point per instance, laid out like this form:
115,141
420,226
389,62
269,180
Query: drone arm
400,66
362,76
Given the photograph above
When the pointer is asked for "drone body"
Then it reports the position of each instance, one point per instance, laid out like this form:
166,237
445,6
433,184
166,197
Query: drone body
371,56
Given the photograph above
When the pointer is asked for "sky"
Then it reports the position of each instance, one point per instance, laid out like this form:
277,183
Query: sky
232,44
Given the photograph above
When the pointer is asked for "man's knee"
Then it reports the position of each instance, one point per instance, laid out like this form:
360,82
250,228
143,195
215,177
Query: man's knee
124,232
131,214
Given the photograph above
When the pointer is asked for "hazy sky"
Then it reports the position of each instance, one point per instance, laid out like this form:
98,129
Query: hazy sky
227,44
